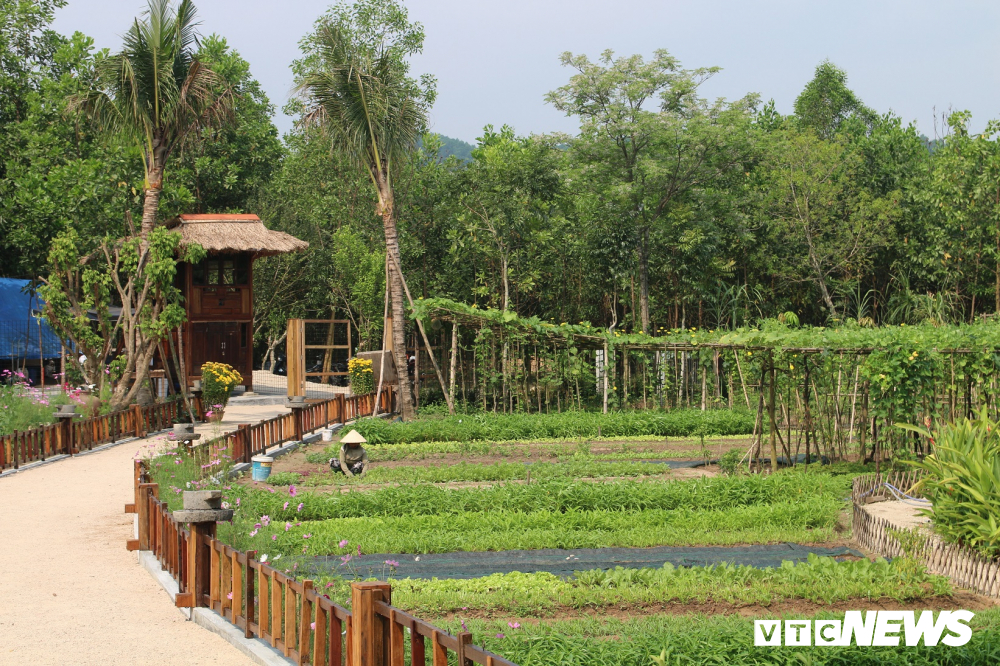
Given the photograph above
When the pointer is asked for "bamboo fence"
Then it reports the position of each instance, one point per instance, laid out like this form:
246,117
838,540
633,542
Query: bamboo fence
964,566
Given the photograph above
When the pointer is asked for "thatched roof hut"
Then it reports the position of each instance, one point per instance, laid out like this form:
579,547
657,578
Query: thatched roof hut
219,233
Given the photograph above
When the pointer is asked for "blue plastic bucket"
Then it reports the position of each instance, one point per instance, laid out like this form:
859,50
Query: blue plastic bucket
261,467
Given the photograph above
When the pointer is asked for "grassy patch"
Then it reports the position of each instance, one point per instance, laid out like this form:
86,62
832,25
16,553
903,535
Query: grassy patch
705,640
820,580
810,520
506,427
555,495
621,448
478,472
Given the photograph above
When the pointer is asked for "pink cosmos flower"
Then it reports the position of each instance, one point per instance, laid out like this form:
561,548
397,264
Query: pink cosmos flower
288,526
343,544
265,520
300,507
514,625
285,507
274,537
291,490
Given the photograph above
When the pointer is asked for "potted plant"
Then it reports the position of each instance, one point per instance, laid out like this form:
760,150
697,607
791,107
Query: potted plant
217,383
361,376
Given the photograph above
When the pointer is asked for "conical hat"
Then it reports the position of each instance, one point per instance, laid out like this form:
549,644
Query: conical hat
353,437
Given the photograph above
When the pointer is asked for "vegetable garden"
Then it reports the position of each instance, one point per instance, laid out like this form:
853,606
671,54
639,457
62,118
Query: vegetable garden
497,487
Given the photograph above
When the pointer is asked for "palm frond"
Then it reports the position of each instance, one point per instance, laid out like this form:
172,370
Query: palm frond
364,101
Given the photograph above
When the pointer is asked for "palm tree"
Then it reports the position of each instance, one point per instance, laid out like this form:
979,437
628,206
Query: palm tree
374,113
154,92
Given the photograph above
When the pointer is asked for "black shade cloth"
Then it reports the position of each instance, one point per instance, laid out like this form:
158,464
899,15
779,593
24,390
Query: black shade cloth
565,562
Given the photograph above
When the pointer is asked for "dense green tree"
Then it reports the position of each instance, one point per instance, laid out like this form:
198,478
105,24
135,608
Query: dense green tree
650,158
223,167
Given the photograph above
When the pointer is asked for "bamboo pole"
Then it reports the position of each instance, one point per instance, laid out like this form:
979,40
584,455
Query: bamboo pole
739,369
770,414
420,325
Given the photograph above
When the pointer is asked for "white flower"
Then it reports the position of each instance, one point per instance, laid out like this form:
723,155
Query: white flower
263,558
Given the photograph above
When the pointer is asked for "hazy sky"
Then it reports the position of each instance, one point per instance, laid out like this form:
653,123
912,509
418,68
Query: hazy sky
495,60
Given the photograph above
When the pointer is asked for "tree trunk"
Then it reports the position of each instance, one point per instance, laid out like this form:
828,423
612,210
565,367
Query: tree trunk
151,199
398,308
644,277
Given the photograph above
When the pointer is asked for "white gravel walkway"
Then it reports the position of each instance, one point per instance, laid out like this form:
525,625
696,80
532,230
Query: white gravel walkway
69,591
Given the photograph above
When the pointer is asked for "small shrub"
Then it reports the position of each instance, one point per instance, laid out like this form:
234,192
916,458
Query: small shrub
284,478
217,383
963,482
729,463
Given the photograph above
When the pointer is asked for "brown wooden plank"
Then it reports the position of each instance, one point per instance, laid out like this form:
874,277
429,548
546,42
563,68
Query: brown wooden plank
396,644
277,602
305,619
320,651
438,651
418,655
289,617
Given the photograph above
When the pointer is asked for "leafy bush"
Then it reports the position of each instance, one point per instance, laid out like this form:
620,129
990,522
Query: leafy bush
963,482
506,427
361,376
730,461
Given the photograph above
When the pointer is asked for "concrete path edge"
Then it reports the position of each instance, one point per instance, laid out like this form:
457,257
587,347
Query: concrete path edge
255,649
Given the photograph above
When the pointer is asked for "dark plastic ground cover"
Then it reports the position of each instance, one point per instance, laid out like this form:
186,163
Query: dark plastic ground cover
565,562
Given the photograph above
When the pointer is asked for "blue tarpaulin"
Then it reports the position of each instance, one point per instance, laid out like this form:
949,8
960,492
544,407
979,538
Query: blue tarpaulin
21,330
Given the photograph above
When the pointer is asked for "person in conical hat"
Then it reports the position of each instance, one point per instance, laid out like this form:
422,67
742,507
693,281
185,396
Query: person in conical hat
353,458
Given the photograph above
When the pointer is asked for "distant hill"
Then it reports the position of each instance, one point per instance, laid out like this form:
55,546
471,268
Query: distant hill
456,147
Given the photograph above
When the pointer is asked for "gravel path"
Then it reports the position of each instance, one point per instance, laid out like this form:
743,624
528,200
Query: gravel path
69,591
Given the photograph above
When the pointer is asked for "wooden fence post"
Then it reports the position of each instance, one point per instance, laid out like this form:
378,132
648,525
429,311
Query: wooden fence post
368,646
138,422
198,565
297,416
145,492
243,443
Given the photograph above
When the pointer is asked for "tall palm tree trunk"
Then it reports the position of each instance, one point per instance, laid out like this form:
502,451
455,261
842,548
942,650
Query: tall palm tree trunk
398,307
154,188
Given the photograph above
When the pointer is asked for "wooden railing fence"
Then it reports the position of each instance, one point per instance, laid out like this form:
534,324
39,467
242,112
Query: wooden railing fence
82,434
289,614
964,566
250,440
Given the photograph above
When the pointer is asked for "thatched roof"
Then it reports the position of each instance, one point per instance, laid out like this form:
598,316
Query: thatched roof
234,233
